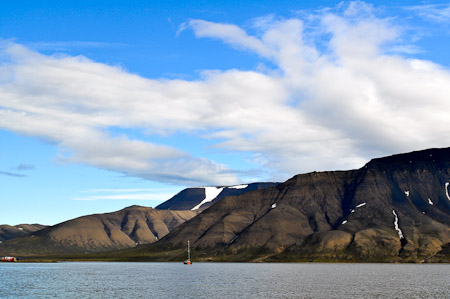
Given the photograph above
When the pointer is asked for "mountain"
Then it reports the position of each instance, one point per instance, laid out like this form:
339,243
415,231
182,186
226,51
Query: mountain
201,198
100,232
394,209
8,232
122,229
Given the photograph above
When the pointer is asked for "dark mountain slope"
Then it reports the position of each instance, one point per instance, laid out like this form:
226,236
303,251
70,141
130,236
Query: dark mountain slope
393,209
8,232
192,198
100,232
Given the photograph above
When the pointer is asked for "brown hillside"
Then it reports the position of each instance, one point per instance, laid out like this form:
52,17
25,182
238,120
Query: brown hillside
100,232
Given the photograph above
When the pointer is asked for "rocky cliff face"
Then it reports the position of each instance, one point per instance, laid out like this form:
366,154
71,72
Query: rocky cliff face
393,209
101,232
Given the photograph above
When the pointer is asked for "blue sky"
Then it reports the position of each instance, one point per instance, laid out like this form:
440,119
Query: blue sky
105,104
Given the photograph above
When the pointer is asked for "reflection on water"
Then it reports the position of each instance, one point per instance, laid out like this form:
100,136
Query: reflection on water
222,280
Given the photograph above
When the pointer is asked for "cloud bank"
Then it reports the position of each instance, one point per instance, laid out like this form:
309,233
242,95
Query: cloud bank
332,97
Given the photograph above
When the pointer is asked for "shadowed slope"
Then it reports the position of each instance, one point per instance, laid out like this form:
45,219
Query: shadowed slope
197,198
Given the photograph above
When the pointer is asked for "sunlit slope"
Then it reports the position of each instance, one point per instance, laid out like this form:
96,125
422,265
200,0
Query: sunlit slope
100,232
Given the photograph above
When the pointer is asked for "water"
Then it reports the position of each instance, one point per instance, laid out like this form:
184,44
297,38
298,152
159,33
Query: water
222,280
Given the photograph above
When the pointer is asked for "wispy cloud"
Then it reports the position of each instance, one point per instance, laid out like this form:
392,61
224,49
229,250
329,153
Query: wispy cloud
12,174
332,106
25,167
70,45
120,190
435,12
229,33
127,194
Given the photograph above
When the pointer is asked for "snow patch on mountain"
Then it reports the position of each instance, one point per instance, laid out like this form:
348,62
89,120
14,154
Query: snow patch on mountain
238,187
211,193
446,190
397,228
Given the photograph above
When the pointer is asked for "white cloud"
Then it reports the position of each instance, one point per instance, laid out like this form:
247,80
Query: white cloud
331,108
71,101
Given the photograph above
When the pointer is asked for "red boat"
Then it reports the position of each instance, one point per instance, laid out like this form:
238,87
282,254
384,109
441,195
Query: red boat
8,259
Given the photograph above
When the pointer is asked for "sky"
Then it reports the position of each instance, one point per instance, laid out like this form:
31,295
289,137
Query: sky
107,104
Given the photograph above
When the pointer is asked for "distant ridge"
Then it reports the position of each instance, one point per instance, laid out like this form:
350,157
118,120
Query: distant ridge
200,198
8,232
126,228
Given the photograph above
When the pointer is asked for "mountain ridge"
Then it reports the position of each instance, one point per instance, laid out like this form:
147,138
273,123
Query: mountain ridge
393,209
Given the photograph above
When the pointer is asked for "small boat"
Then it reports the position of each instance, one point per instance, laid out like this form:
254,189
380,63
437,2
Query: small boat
8,259
188,261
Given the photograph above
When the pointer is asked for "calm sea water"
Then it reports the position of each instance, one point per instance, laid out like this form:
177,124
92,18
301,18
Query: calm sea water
222,280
